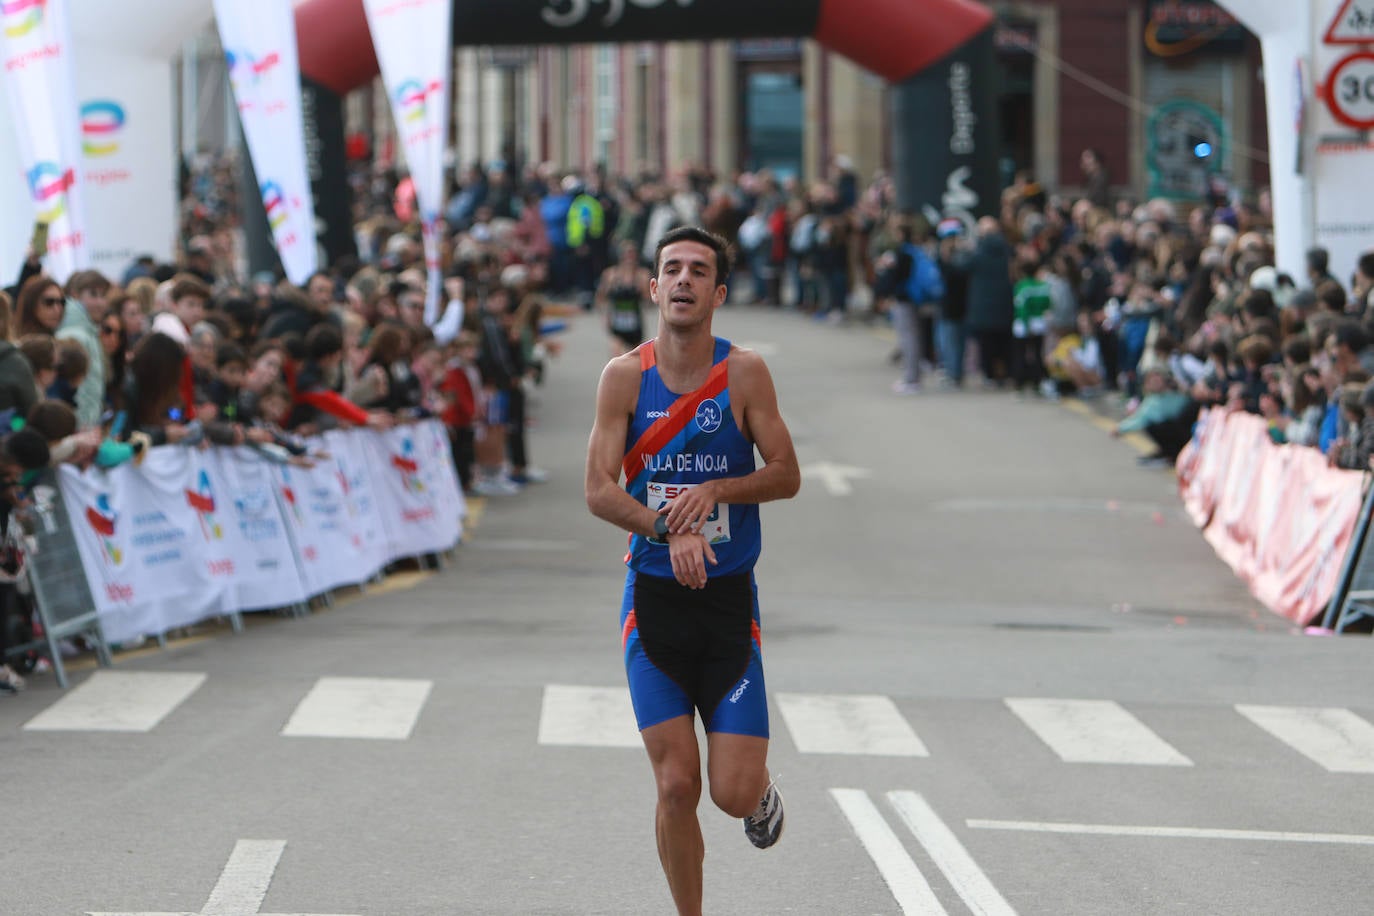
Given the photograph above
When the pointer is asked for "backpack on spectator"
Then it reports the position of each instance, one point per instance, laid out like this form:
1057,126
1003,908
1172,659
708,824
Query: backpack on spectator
924,284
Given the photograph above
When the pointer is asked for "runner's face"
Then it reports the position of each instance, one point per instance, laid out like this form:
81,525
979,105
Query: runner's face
685,289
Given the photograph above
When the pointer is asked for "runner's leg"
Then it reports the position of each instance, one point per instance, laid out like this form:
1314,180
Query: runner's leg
737,768
672,747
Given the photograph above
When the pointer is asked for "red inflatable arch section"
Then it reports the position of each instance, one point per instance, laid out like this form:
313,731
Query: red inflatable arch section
895,39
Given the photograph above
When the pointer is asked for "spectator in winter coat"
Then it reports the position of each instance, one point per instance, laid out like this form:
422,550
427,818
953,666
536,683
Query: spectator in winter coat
990,303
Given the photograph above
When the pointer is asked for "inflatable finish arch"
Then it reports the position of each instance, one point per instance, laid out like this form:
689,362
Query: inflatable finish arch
938,53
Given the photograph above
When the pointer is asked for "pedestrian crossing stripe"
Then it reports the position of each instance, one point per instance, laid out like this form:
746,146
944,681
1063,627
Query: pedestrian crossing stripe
1095,731
1077,731
374,708
1337,739
118,701
838,724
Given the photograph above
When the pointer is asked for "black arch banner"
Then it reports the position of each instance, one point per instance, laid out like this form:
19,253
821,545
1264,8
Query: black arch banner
938,54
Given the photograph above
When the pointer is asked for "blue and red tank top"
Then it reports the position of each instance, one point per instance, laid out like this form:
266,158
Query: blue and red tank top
677,441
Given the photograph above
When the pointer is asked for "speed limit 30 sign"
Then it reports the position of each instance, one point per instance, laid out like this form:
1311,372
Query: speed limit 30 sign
1349,90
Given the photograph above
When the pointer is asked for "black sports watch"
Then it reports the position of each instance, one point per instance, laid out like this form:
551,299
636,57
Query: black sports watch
661,528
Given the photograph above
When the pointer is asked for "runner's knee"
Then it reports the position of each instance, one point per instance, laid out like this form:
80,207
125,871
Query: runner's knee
679,787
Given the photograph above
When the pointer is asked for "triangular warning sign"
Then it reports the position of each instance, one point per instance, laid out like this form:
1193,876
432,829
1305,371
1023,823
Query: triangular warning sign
1352,25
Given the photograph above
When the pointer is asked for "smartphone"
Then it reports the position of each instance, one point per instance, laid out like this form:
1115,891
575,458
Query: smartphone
38,242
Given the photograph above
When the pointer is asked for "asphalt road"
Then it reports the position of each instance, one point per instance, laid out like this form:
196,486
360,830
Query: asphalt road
1007,676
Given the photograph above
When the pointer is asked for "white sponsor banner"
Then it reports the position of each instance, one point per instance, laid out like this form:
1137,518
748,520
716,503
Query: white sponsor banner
312,502
245,536
128,162
139,540
191,534
367,532
36,50
259,39
413,40
413,511
436,464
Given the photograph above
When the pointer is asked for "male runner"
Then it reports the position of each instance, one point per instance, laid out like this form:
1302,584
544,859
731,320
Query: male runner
681,415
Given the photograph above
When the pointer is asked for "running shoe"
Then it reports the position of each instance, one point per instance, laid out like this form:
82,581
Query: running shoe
764,827
10,681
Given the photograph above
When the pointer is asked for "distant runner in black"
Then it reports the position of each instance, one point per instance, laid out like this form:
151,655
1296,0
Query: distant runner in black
622,293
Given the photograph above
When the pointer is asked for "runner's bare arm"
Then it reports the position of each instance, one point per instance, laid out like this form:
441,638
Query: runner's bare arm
616,395
779,478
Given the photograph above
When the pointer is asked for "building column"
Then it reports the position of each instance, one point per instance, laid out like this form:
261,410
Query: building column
814,109
494,108
724,109
468,96
856,118
684,134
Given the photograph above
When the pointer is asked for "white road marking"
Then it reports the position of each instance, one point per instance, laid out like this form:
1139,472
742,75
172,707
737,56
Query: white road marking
1184,833
242,886
118,701
359,707
1095,731
848,724
836,477
1336,738
588,717
903,878
950,855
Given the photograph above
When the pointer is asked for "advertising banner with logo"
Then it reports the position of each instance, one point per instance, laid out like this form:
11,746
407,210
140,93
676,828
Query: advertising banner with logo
191,534
129,166
140,542
36,48
415,517
312,502
367,532
259,38
241,525
413,40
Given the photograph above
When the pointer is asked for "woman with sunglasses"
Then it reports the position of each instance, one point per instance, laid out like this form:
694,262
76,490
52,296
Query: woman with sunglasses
115,346
40,307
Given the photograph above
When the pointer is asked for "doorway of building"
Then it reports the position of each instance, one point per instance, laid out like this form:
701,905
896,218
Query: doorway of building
771,112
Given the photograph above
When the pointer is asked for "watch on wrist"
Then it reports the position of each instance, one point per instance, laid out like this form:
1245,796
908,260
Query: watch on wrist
661,528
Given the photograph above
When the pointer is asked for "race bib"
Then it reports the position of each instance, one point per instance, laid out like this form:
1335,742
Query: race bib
717,527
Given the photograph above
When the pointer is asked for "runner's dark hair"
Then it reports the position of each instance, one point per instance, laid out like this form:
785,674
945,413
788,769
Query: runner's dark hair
724,260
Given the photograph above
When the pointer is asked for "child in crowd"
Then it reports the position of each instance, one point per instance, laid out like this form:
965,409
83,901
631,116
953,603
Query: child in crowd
69,371
461,389
231,368
40,350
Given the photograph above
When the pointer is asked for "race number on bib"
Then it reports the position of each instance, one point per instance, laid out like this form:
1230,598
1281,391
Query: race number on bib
717,527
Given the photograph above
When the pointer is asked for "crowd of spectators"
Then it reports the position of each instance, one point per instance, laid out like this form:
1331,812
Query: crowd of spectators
1171,308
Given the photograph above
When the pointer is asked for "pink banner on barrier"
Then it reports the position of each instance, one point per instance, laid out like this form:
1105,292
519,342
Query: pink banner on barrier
1276,514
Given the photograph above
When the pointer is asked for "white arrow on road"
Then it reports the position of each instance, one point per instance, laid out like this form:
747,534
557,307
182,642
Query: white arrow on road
836,477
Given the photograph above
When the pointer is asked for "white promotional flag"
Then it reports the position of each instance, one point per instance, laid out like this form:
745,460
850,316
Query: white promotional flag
36,47
259,38
413,40
126,147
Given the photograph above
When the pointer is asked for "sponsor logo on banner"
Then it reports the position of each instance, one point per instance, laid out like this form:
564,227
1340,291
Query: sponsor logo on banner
102,122
408,467
102,519
49,184
202,499
562,14
289,495
22,16
412,99
246,70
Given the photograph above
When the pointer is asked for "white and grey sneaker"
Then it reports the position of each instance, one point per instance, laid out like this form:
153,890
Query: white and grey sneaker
10,681
764,826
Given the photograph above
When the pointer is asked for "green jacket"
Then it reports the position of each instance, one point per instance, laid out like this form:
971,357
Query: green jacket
586,220
90,397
